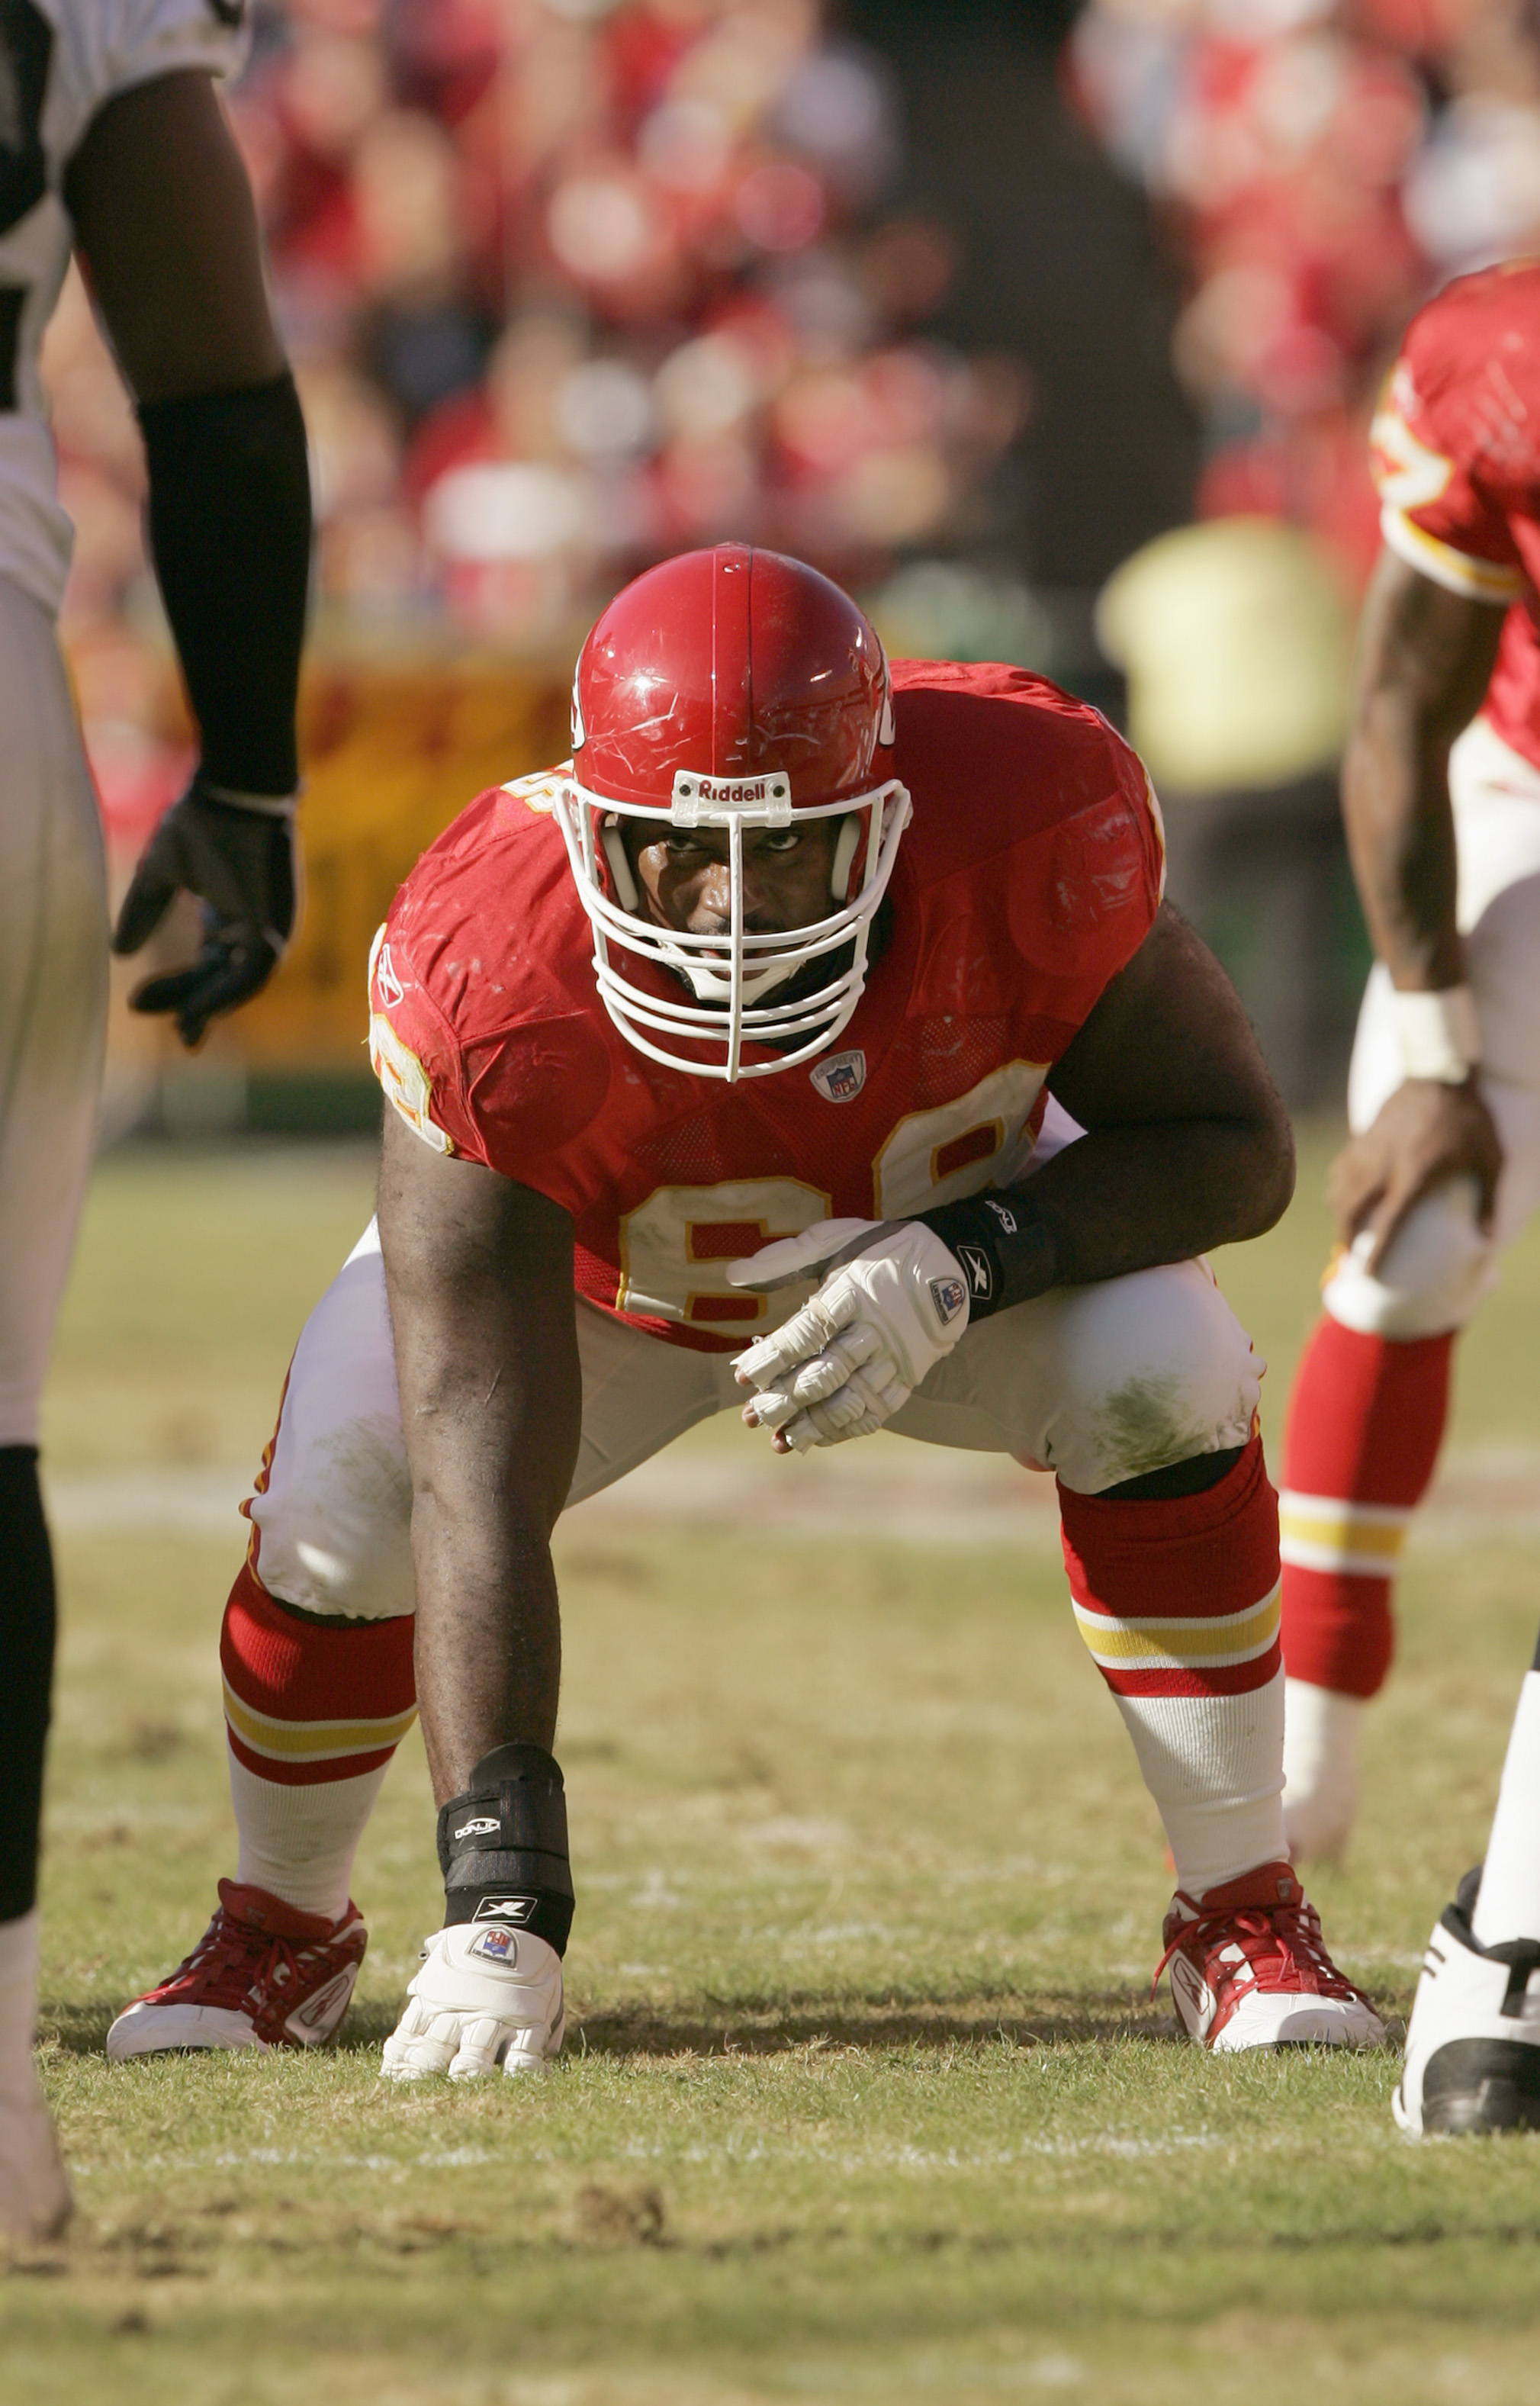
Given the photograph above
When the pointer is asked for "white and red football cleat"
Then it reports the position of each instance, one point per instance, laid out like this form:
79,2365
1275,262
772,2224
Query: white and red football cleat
262,1974
487,1998
1248,1967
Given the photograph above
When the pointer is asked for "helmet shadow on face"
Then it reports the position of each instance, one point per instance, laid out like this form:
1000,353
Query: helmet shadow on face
683,880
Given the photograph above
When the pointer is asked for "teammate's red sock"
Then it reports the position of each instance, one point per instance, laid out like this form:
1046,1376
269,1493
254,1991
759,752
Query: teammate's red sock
1178,1603
1365,1422
313,1711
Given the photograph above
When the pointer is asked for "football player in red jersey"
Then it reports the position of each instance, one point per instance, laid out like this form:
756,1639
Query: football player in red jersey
813,1042
1441,792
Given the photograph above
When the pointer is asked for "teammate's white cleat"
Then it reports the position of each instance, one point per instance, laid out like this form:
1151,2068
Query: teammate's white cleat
487,1998
1248,1967
1321,1734
1473,2045
35,2199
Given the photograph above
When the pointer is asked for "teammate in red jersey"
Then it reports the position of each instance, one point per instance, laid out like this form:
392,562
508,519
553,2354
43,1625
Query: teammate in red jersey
1441,792
814,1043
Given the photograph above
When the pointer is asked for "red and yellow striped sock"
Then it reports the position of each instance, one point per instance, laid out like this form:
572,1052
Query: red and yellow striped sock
1365,1423
1178,1602
313,1711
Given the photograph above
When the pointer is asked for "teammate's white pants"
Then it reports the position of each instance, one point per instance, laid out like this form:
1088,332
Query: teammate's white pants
53,985
1099,1383
1441,1264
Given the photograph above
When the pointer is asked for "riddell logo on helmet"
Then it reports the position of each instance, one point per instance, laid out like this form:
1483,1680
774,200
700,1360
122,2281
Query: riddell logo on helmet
728,793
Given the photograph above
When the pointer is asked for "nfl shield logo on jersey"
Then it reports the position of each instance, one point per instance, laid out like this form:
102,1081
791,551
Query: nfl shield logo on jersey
841,1077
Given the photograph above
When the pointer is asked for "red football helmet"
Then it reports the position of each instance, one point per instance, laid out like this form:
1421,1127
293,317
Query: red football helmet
733,689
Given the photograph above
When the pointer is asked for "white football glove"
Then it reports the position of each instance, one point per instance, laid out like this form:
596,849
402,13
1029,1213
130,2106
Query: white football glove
893,1305
487,1998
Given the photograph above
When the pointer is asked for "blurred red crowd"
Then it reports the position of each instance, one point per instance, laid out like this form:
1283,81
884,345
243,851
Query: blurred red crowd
1319,169
569,284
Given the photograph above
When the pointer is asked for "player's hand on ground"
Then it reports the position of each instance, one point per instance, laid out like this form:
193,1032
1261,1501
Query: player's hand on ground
242,864
893,1303
1426,1133
487,1998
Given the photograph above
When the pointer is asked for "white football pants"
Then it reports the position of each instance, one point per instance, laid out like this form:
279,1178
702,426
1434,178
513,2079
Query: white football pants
1099,1383
54,989
1441,1264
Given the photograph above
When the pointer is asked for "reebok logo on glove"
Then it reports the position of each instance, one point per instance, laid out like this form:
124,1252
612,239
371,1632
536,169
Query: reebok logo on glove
981,1274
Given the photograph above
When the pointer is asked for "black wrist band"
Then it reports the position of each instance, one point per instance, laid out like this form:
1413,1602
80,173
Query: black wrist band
1005,1246
502,1846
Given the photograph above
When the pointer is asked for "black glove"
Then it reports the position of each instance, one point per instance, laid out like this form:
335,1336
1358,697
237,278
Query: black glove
243,865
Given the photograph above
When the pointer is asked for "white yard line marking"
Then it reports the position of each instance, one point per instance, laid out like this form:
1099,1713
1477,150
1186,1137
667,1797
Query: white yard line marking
886,1487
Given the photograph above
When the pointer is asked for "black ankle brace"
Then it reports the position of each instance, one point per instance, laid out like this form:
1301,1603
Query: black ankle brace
502,1846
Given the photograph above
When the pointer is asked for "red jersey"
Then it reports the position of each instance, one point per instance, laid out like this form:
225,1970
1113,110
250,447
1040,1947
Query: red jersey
1456,456
1030,873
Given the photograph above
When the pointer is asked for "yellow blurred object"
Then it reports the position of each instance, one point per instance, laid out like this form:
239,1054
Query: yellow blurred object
1237,637
391,753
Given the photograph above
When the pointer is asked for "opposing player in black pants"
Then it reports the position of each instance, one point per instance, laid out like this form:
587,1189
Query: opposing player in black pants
115,145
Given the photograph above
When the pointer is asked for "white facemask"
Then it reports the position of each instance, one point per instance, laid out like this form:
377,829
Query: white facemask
730,975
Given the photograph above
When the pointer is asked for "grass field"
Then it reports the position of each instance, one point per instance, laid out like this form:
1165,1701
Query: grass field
866,2097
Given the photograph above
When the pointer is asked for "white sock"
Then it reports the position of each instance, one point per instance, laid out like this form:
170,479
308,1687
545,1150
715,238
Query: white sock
19,1945
1508,1906
1214,1766
1321,1727
299,1842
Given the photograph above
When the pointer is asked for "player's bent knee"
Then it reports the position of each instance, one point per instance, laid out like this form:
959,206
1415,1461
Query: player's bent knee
333,1519
1155,1369
1434,1275
335,1537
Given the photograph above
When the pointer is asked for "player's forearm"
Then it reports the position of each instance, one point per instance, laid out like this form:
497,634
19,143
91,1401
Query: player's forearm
488,1633
1425,657
491,1452
1395,805
1131,1198
479,1275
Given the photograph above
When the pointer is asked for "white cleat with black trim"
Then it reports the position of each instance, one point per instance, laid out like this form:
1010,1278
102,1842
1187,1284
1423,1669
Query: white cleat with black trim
487,1998
1473,2045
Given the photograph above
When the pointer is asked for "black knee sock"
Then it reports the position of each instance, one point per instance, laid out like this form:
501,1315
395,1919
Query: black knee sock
1193,1477
27,1624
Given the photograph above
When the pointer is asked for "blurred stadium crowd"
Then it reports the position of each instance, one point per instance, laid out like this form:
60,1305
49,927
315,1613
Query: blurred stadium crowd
1320,169
1316,171
567,287
572,283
